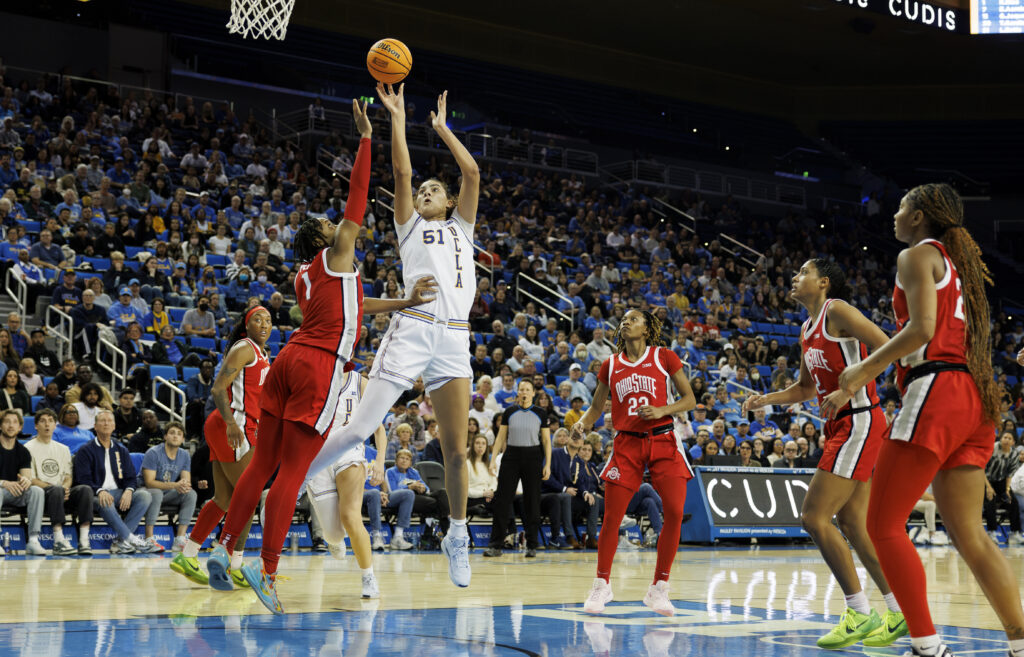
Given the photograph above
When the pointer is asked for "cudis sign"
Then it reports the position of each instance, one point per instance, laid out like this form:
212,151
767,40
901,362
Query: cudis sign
915,11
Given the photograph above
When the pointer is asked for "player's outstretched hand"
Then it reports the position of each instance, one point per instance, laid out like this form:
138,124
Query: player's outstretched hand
423,291
753,402
438,118
394,102
361,118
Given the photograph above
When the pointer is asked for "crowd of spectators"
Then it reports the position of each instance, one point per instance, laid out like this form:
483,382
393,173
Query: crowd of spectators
151,222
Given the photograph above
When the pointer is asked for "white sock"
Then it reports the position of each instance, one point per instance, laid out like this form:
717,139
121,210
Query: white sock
191,549
236,559
926,645
890,602
399,532
83,536
33,538
58,534
858,602
1016,647
367,571
457,528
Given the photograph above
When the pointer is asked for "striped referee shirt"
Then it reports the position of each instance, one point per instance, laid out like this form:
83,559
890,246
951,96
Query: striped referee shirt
524,425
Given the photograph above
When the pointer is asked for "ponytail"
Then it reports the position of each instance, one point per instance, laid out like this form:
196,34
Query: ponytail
944,210
837,286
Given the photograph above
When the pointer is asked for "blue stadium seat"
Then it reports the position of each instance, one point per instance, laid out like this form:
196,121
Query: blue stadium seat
203,343
368,289
132,252
794,329
29,428
46,380
176,314
188,372
289,254
137,462
764,370
274,348
35,402
559,379
217,260
275,335
98,264
30,226
166,371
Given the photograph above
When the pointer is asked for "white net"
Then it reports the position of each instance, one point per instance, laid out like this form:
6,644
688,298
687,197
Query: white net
260,19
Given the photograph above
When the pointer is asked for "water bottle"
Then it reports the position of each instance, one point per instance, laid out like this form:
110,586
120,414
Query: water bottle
295,541
7,541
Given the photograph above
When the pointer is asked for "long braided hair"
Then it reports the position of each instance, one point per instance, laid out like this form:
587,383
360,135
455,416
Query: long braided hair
308,241
944,211
652,332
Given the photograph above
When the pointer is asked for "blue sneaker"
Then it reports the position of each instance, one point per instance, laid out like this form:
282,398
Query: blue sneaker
457,551
218,566
264,587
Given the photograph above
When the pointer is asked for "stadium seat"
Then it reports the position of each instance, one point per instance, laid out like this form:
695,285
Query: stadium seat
188,372
132,252
203,343
29,428
166,371
137,462
98,264
176,315
217,260
30,226
35,402
275,335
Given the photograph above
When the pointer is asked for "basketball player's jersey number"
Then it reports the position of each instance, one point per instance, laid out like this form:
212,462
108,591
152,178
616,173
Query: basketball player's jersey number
636,402
436,236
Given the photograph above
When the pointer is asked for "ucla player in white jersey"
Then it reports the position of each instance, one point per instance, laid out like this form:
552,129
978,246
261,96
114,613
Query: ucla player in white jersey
435,234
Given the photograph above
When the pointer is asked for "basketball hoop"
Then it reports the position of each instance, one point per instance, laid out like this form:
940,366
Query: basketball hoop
266,19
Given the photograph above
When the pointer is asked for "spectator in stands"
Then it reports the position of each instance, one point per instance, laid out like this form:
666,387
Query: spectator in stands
279,317
157,319
220,314
8,355
51,471
200,385
47,362
148,435
482,483
123,313
83,375
68,432
106,467
579,389
13,394
29,378
557,491
407,493
47,255
66,296
599,347
588,500
401,440
480,364
16,487
127,419
153,282
559,362
19,338
412,417
138,302
766,428
499,340
790,456
199,321
171,350
575,412
506,395
88,318
166,473
52,398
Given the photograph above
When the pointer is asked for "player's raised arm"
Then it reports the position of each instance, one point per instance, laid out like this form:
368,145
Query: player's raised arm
342,251
400,162
469,192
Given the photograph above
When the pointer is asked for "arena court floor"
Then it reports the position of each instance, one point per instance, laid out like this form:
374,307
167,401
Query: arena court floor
738,601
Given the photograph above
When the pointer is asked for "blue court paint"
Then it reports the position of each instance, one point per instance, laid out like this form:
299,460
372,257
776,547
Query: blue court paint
628,628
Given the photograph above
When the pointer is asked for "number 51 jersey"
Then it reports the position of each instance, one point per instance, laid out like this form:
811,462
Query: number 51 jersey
634,385
442,249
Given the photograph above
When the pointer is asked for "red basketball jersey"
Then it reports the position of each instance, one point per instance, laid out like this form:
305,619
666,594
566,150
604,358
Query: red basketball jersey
826,357
332,308
643,383
244,393
949,343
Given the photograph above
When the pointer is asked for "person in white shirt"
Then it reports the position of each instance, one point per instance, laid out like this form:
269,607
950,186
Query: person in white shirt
194,159
484,416
51,471
615,239
220,244
599,347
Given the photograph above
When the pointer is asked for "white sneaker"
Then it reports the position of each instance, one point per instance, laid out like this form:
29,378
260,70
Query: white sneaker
62,548
456,548
179,543
600,637
117,546
627,522
626,544
600,595
920,536
940,538
994,536
657,599
145,545
337,551
370,590
1016,539
377,542
399,543
650,538
34,548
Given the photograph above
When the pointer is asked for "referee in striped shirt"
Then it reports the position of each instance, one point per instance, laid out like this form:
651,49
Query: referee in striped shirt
528,459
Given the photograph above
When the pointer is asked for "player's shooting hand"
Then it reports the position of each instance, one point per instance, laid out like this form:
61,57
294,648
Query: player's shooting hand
423,291
394,102
437,119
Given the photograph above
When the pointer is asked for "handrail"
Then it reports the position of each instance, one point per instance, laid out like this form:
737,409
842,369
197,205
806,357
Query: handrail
116,375
176,393
799,413
741,245
20,292
520,290
57,319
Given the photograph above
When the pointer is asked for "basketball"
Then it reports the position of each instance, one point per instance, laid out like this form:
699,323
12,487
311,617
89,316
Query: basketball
389,61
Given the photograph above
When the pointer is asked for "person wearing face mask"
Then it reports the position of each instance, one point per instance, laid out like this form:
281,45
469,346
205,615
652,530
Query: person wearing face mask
238,289
199,321
261,288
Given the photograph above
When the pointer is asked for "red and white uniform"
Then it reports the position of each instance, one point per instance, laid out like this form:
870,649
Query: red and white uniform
853,439
641,443
244,400
942,410
306,379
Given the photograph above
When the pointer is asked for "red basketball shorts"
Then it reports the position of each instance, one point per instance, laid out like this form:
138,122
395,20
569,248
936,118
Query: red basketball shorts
303,385
942,412
217,438
632,454
852,443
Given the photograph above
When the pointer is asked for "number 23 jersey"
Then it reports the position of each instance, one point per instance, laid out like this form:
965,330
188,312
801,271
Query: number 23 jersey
634,385
442,249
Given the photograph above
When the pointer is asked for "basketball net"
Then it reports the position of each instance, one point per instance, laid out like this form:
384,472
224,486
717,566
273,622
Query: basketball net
260,19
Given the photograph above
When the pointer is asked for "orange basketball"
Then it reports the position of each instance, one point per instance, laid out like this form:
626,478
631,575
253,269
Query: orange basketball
389,61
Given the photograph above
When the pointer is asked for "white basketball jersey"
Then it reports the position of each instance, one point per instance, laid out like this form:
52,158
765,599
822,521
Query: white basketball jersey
442,249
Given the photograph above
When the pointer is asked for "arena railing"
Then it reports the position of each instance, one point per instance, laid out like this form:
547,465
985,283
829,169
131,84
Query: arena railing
18,291
63,330
800,413
533,281
118,375
738,249
176,393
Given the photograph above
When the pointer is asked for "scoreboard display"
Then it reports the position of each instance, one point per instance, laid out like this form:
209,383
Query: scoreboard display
997,16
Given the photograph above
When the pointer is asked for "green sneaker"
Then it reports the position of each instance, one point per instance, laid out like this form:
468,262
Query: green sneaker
893,627
189,567
852,627
238,578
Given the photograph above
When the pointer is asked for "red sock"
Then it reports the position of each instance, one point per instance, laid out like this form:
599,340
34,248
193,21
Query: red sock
359,185
209,516
902,474
303,445
673,498
265,459
616,499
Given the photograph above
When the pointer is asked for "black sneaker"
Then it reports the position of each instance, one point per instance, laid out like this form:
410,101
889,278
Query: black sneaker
943,651
319,545
530,553
492,552
84,550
